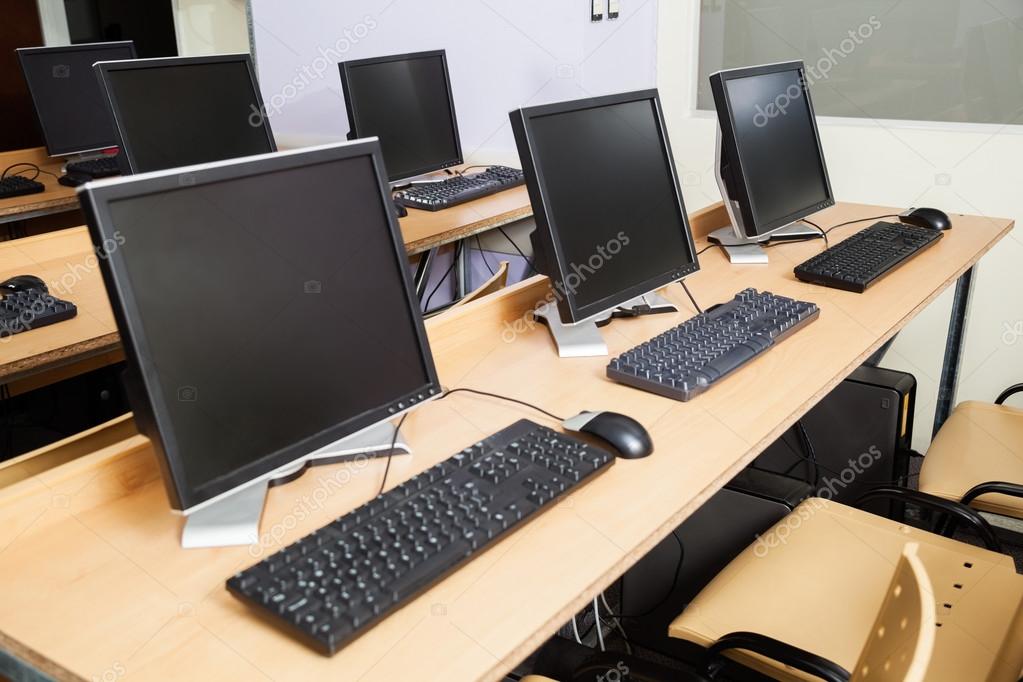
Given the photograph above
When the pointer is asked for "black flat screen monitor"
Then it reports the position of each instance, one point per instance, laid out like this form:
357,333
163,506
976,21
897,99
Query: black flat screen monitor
772,164
265,307
68,99
610,218
405,100
179,111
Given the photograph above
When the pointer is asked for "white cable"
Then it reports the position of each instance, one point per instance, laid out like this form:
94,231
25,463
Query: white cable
596,617
617,621
575,629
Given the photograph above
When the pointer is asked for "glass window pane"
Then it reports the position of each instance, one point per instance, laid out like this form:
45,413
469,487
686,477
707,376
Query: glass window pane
924,60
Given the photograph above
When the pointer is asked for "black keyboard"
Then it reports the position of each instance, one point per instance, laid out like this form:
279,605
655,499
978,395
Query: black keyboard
867,256
16,185
22,311
436,196
334,584
99,167
686,360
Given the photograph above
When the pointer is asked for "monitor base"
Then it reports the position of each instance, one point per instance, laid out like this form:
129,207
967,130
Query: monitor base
750,251
234,520
583,339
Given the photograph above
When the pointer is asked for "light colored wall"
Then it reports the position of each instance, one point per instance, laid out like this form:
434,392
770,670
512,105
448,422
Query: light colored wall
502,54
958,168
211,27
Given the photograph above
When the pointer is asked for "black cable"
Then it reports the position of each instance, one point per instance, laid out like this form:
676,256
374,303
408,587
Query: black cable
690,295
483,255
827,245
860,220
390,453
502,397
811,452
516,247
706,248
444,277
674,584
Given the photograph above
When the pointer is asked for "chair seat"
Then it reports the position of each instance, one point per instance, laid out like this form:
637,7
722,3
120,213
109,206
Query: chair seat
817,580
980,442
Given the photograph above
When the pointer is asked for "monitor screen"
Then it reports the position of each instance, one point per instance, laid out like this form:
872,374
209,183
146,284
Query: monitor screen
183,111
406,102
267,305
67,97
779,151
610,198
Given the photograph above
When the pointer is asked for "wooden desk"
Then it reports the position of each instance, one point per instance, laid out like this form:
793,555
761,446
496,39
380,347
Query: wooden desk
70,267
66,260
92,578
56,198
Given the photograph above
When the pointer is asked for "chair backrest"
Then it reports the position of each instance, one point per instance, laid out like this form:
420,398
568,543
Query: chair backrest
901,643
496,282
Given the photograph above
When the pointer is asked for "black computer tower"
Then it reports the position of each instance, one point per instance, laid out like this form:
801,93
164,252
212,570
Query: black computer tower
868,419
861,434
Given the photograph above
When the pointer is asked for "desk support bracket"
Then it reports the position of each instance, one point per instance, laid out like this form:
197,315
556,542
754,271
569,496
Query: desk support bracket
234,520
949,383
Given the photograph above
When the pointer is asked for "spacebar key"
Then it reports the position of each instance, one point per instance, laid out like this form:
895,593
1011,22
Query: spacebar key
723,364
428,571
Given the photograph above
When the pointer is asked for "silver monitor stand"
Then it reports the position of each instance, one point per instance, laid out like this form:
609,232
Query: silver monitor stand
743,250
583,339
234,518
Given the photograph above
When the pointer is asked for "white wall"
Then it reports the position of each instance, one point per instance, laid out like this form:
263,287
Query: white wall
211,27
958,168
502,54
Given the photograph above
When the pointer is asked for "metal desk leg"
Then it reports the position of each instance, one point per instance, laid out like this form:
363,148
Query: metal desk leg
953,350
463,268
422,275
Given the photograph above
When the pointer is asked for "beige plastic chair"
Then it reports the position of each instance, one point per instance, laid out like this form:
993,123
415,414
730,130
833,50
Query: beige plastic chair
497,281
977,457
815,592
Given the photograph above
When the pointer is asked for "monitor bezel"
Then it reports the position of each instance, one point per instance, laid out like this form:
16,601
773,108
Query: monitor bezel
104,69
23,52
351,108
149,404
522,123
730,147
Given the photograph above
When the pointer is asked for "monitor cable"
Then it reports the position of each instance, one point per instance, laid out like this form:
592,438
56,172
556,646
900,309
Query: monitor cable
28,166
860,220
516,247
690,295
824,234
394,440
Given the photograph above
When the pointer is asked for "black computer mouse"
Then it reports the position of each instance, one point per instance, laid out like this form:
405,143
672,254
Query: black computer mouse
23,282
74,179
927,217
626,435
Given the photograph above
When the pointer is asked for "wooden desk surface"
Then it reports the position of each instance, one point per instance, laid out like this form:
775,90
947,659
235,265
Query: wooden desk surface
54,199
70,267
66,260
93,581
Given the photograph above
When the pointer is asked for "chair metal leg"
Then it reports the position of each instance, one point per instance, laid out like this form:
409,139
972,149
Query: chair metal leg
949,382
463,268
